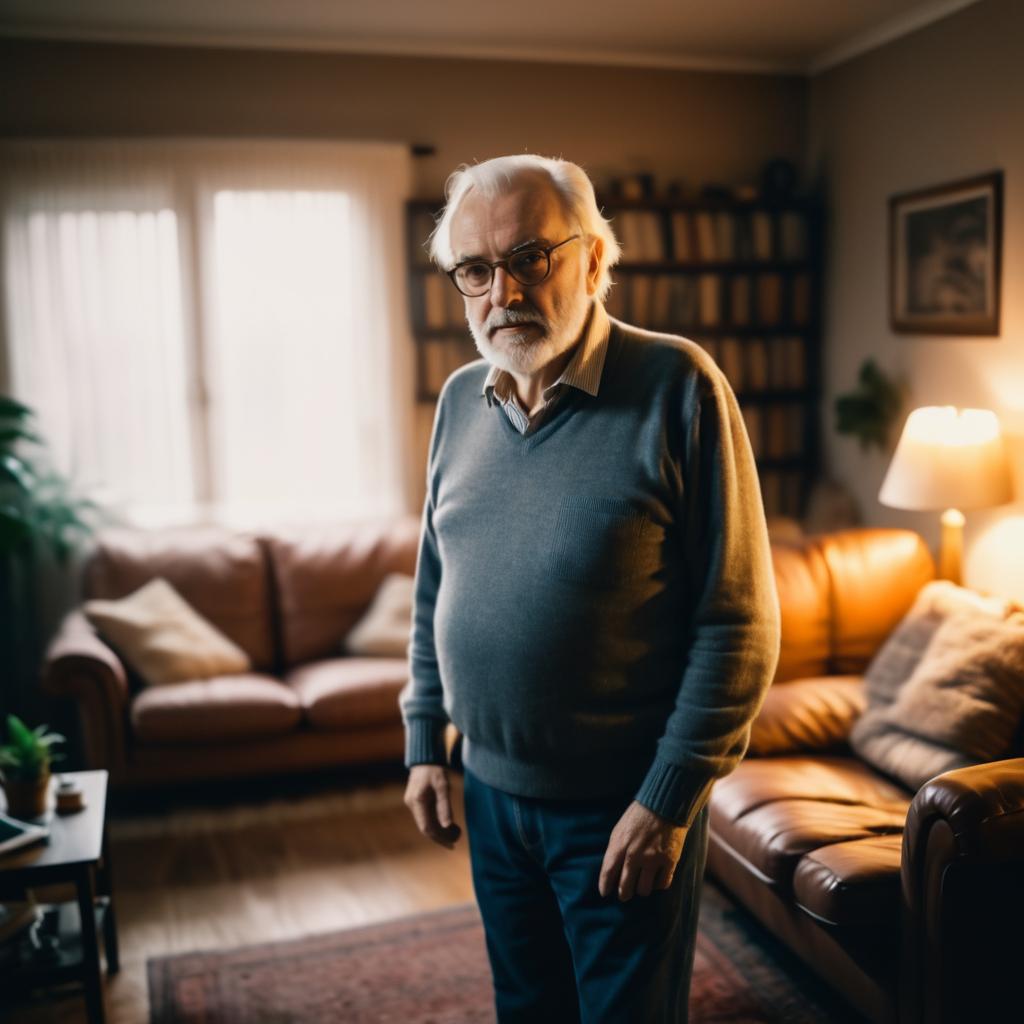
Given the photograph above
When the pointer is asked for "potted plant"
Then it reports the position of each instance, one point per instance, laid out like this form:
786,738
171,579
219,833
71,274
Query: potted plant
25,764
39,517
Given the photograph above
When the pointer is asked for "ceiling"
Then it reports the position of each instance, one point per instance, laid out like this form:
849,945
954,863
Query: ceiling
768,36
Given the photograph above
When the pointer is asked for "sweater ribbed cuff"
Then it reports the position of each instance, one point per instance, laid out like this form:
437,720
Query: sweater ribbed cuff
674,792
424,742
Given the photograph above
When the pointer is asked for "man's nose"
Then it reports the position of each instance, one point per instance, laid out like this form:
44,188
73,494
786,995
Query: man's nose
504,288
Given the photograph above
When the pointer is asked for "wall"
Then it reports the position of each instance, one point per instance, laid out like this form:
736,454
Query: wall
698,126
944,103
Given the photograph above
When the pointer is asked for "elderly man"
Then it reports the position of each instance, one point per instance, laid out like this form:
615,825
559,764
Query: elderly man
595,607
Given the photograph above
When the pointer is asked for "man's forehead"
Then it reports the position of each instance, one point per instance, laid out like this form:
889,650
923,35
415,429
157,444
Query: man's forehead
530,211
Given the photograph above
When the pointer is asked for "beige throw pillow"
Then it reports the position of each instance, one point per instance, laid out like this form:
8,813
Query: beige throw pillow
384,631
897,658
163,637
968,691
943,690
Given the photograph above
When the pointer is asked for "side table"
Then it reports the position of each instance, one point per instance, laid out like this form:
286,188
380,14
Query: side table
76,851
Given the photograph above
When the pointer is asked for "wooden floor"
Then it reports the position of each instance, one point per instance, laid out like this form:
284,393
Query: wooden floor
236,865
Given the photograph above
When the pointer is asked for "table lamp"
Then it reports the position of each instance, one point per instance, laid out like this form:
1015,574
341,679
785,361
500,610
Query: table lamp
949,459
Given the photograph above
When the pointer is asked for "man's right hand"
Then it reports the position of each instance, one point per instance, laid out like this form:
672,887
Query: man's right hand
427,795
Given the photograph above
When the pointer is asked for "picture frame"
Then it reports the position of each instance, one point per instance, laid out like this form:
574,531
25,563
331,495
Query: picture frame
945,257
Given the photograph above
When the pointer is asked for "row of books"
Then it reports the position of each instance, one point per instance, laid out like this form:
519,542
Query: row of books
659,300
758,364
708,235
782,491
775,431
681,235
749,364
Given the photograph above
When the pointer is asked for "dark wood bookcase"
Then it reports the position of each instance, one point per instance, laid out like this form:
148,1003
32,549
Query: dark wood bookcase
742,279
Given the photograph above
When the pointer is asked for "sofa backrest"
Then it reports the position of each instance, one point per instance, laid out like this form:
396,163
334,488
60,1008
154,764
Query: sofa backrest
842,593
221,572
325,576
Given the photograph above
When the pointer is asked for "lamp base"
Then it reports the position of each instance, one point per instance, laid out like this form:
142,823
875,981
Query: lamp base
951,546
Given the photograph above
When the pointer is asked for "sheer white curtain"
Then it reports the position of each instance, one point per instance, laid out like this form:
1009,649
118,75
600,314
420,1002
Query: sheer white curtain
213,330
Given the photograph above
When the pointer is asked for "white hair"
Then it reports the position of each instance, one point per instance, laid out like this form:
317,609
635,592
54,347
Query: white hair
497,176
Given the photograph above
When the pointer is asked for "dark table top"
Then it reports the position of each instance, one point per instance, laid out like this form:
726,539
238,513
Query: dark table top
75,838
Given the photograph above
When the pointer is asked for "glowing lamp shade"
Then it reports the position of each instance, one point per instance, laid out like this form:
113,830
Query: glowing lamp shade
948,459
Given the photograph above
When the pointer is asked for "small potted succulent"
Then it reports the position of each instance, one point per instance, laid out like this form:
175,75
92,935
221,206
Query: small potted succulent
25,764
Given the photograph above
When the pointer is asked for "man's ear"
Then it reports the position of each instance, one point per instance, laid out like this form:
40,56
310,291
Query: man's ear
594,263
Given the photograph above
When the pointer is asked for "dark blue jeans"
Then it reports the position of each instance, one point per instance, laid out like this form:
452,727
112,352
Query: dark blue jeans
559,951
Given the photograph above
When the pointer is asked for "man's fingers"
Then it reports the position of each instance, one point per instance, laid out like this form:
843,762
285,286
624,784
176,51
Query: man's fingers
610,869
628,880
428,800
444,807
645,879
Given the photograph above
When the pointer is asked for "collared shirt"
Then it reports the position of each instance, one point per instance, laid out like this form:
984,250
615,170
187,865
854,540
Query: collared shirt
583,371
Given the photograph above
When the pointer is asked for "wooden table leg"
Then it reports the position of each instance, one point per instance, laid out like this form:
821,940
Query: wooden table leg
106,886
90,948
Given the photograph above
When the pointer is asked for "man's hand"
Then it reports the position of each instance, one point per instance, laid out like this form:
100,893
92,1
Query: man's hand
427,795
642,853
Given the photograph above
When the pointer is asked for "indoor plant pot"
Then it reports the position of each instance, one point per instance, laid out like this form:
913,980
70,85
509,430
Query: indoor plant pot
25,763
26,798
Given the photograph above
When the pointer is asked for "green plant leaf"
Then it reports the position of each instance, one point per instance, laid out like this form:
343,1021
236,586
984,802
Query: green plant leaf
17,470
11,435
11,408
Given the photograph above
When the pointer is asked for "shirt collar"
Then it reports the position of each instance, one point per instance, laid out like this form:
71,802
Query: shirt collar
583,370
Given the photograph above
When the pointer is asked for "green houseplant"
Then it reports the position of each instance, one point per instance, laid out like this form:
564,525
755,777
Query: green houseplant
39,518
25,763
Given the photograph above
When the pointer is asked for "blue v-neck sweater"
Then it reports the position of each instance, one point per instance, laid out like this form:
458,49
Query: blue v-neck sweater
595,605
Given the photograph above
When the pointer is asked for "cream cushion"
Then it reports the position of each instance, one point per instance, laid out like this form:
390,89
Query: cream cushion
385,628
163,638
946,690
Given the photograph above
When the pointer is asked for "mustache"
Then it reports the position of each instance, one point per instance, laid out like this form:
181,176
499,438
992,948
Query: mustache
511,317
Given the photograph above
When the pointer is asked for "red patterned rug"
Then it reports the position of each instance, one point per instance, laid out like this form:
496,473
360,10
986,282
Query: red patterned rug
432,969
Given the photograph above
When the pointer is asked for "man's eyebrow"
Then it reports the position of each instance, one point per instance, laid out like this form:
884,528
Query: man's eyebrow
529,243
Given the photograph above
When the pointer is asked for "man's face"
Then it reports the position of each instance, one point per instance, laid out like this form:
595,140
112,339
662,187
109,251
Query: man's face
546,319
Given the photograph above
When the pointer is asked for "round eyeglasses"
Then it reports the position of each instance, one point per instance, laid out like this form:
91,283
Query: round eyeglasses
528,266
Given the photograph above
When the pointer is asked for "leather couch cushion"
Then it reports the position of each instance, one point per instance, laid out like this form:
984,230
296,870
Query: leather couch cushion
327,575
876,575
806,715
852,883
772,811
802,582
208,710
345,693
220,572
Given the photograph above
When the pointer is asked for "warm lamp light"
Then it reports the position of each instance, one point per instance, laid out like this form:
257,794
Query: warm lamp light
948,459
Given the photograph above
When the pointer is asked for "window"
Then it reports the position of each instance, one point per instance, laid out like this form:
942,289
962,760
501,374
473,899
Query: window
213,332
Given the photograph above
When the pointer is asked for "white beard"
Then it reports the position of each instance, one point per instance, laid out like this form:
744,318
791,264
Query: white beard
527,351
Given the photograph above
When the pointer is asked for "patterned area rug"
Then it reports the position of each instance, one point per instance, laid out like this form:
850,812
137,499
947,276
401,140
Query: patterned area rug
432,968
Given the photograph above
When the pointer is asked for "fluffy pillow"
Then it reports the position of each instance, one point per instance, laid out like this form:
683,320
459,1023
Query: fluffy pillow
946,690
384,630
163,638
898,656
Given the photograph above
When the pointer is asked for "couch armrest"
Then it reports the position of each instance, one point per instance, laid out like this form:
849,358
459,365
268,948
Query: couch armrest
962,878
78,664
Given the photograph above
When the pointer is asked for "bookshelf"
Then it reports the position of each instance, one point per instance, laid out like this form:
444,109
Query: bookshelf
742,279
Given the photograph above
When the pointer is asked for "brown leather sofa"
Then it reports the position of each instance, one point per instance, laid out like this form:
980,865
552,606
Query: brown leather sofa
912,905
287,598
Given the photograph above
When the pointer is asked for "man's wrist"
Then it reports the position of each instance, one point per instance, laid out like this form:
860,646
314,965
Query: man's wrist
674,792
424,742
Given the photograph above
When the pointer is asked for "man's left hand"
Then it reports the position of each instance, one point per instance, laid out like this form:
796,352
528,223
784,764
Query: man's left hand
642,854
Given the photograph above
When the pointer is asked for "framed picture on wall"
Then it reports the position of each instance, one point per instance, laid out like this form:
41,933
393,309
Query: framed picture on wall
944,257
